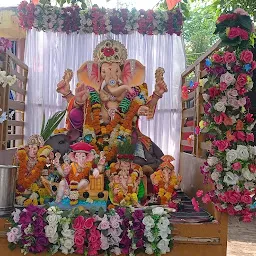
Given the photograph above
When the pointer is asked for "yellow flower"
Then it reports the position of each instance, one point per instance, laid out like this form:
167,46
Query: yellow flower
227,30
249,79
34,187
41,201
134,197
202,124
27,202
161,192
34,201
202,82
42,192
243,109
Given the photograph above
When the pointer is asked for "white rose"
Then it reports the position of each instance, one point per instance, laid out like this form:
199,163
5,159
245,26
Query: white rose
247,174
163,245
149,236
230,178
149,249
50,231
64,250
231,155
16,215
220,107
228,78
158,211
148,222
219,186
212,160
206,97
65,226
238,208
215,176
164,233
68,233
242,152
249,185
53,219
116,251
252,150
68,243
54,239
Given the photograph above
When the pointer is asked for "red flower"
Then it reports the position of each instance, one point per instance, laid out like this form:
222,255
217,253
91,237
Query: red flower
108,51
250,137
236,166
249,118
221,144
246,198
246,56
241,79
233,33
252,168
217,58
229,57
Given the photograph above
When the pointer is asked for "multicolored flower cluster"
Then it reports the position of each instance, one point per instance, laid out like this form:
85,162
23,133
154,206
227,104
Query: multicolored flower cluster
98,20
124,231
234,28
227,124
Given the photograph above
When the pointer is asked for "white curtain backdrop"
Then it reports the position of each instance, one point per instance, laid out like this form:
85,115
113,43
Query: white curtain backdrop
49,54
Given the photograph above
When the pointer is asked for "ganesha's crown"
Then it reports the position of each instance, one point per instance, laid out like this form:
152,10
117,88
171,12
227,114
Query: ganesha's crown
110,51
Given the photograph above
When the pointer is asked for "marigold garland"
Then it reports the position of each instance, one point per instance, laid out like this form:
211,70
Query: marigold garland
24,179
82,175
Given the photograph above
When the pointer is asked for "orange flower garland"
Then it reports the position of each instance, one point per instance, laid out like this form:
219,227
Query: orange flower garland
24,179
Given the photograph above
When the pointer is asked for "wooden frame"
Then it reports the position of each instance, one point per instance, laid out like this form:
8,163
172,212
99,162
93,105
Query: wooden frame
12,130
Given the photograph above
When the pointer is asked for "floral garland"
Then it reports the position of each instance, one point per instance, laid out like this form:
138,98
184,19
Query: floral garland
24,180
228,125
5,44
98,20
125,231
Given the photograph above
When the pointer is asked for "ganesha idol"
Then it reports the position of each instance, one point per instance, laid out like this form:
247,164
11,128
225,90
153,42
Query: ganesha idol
109,97
31,159
82,179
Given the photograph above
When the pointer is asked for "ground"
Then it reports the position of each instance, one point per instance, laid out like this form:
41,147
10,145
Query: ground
241,238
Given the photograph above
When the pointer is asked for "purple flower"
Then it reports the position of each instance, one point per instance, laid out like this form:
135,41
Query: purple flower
237,69
140,232
25,218
219,70
140,243
207,107
121,212
138,214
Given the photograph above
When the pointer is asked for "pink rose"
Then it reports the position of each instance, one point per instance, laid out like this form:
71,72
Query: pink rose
246,198
218,119
241,11
253,65
243,34
223,86
232,93
246,56
78,222
229,57
221,144
233,196
206,199
219,167
217,58
11,237
233,33
231,210
80,250
250,137
88,223
249,118
236,166
94,236
80,232
242,102
241,79
199,193
228,78
240,135
79,240
114,221
252,168
195,204
223,197
104,224
247,217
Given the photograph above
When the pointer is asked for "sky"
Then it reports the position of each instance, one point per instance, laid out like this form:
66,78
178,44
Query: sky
138,4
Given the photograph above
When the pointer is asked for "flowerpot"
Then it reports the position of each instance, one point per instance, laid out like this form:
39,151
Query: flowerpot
8,174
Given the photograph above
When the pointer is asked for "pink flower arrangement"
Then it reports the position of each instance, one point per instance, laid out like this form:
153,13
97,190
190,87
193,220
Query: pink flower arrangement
5,44
98,20
230,125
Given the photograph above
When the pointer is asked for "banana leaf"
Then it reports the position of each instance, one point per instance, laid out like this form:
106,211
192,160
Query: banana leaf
52,124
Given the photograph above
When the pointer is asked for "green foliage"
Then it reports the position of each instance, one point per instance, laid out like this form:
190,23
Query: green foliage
198,31
126,148
52,124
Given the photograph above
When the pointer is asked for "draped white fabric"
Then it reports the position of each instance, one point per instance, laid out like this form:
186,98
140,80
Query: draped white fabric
49,54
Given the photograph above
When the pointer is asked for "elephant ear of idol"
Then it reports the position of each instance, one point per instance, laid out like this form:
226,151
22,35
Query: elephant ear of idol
133,73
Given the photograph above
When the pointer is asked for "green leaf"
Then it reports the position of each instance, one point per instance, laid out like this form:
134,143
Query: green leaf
52,124
12,246
101,212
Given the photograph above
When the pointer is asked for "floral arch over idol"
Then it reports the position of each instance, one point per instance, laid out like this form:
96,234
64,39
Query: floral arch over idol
101,157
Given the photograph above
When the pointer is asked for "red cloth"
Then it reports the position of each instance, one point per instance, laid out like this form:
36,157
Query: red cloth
81,146
171,3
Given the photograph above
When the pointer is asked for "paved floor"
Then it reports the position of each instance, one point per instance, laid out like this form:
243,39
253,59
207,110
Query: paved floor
241,238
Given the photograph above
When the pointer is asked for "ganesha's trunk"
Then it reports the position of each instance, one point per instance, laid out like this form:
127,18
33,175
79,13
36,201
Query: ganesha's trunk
117,91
